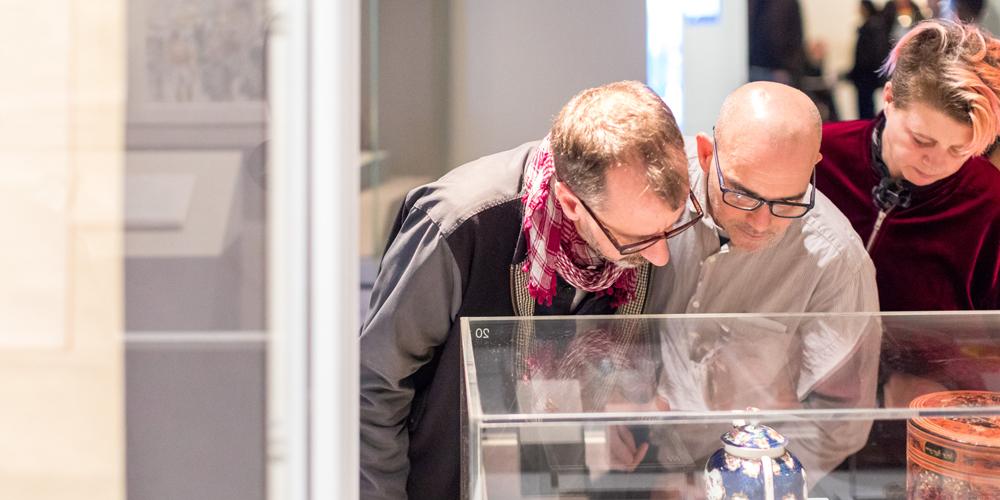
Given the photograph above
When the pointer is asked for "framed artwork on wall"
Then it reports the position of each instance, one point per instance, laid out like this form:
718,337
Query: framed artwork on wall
197,62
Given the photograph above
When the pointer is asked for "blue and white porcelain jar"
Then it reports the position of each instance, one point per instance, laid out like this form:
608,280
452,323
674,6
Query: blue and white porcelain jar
754,465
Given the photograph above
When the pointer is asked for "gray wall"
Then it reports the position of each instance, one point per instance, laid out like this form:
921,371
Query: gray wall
513,64
411,79
445,82
464,78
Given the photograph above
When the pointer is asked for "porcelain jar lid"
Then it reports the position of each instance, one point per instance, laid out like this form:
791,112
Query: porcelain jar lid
753,440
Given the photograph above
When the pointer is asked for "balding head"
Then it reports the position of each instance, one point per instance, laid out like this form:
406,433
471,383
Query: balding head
767,140
764,118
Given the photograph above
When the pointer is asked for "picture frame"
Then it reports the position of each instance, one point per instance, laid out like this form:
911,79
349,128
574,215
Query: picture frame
197,62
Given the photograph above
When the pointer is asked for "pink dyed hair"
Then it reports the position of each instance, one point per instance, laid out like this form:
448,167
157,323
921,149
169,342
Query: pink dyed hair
952,67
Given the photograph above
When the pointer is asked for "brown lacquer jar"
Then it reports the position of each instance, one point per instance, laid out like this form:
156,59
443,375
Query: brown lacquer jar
954,457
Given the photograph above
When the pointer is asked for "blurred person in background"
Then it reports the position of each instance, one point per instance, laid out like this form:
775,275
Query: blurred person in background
870,52
815,84
968,11
777,52
900,16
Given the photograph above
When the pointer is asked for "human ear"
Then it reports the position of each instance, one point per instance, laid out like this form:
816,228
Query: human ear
706,149
569,202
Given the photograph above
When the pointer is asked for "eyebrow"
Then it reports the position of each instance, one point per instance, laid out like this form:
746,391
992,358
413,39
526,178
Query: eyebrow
932,141
923,137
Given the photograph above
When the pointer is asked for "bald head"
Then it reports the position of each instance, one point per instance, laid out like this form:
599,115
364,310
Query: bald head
762,118
766,147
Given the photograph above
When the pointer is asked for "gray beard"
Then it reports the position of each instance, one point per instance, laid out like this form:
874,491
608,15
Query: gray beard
627,262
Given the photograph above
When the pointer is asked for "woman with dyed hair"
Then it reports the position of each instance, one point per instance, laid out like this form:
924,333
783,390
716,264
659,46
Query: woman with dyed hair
921,196
913,181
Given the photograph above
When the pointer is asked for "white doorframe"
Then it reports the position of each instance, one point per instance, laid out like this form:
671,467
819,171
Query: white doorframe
313,189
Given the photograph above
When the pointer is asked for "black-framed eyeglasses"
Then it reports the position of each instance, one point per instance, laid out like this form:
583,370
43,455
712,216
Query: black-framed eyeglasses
749,202
633,248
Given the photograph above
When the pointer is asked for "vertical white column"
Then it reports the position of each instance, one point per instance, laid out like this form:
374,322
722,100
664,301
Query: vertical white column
664,53
334,278
716,62
313,184
287,195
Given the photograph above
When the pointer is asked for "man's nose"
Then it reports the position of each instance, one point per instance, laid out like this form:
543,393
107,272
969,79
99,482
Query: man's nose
760,218
658,254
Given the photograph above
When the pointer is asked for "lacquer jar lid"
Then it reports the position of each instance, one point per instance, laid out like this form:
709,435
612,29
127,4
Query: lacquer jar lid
981,431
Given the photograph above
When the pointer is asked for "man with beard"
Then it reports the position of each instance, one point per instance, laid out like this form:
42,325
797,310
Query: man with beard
568,226
769,243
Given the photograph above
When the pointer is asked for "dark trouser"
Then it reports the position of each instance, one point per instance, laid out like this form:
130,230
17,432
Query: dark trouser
866,100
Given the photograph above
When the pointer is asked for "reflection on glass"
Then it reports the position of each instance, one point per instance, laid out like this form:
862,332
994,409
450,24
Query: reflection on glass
195,235
615,407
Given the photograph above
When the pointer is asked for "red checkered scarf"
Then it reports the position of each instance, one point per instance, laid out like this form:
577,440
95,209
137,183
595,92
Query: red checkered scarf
554,245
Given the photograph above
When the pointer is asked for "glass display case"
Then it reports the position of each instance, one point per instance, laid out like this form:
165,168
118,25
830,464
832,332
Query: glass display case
891,405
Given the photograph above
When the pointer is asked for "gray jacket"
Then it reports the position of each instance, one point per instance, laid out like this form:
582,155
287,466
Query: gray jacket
454,251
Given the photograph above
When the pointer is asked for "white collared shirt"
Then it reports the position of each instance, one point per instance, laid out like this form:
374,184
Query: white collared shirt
819,265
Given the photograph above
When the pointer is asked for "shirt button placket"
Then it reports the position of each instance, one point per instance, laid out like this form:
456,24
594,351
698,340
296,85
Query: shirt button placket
696,300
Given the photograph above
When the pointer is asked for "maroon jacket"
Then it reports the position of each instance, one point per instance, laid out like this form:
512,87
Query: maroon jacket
941,253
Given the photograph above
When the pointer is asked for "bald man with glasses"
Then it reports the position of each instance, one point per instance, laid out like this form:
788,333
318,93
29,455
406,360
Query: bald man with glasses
769,242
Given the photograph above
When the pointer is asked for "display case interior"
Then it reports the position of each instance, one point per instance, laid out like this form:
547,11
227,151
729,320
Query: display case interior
634,407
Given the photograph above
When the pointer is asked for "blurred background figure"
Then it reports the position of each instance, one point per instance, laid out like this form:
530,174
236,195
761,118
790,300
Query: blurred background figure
870,51
815,84
938,8
979,12
900,16
968,11
777,52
